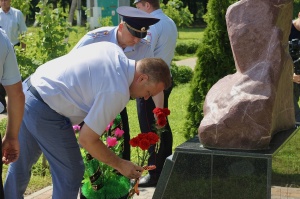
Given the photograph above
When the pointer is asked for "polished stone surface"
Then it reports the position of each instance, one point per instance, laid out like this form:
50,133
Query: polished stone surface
197,172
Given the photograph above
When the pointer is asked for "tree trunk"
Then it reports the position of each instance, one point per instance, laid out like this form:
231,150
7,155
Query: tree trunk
72,11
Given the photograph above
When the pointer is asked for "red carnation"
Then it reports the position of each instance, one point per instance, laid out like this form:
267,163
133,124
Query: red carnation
156,110
144,144
162,122
134,142
152,137
166,111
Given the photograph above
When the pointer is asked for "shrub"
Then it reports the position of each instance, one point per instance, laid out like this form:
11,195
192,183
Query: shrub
192,46
181,48
3,123
215,61
181,74
187,47
296,8
105,21
48,42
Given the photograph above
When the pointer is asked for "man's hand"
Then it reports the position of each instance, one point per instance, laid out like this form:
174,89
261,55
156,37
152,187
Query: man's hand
10,150
296,78
130,170
89,140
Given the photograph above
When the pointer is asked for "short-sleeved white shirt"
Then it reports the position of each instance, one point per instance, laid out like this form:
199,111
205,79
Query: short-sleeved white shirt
136,52
163,36
13,23
9,71
90,84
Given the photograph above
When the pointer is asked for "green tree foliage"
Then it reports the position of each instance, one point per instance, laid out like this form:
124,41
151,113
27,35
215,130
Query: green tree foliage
215,61
53,33
49,42
197,8
180,15
296,9
105,21
23,5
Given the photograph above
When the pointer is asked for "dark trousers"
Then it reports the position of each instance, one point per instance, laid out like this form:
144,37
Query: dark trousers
296,99
146,121
126,135
2,95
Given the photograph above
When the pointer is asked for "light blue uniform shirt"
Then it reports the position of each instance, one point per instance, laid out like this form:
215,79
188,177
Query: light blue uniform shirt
9,71
13,23
109,34
163,36
90,84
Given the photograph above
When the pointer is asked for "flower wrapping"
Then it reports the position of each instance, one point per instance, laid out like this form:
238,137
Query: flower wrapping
100,180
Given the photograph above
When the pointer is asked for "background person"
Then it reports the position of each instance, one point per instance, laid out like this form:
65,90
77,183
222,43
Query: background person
295,34
162,36
92,84
13,23
11,79
129,36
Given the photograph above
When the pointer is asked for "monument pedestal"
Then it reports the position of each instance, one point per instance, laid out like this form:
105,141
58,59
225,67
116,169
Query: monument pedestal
196,172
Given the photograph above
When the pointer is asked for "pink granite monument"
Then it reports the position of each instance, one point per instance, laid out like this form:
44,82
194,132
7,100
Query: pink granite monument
244,110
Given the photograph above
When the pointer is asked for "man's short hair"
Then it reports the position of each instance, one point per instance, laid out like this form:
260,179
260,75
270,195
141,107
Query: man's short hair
154,3
157,70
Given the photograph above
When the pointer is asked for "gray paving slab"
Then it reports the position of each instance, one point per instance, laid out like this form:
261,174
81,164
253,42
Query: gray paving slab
147,193
191,62
46,193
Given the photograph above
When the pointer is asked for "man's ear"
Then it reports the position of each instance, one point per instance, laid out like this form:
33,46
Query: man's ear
121,25
143,77
147,5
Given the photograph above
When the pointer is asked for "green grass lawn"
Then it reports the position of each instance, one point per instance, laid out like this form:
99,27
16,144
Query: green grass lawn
190,33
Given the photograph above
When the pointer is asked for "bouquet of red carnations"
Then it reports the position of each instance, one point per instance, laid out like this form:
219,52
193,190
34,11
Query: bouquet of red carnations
160,119
142,142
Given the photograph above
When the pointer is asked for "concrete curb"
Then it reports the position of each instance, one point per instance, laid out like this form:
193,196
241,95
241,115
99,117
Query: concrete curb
46,193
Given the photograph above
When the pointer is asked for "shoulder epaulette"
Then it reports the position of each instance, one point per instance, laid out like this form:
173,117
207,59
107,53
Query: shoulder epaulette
101,33
144,41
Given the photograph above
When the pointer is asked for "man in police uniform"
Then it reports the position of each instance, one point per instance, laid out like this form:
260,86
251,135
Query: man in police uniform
92,84
129,36
12,22
295,34
162,37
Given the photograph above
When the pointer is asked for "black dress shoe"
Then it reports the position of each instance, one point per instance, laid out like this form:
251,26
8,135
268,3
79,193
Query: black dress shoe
148,181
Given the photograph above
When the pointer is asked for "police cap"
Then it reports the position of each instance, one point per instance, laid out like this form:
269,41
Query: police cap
137,21
149,1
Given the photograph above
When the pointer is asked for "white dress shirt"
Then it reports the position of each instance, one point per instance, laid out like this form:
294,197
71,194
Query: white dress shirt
13,23
90,84
163,36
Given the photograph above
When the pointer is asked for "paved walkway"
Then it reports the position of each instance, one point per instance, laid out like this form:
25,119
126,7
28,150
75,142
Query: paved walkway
46,193
147,193
191,62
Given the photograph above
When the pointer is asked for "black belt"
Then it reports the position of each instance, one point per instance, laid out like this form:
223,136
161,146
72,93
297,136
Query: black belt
34,91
